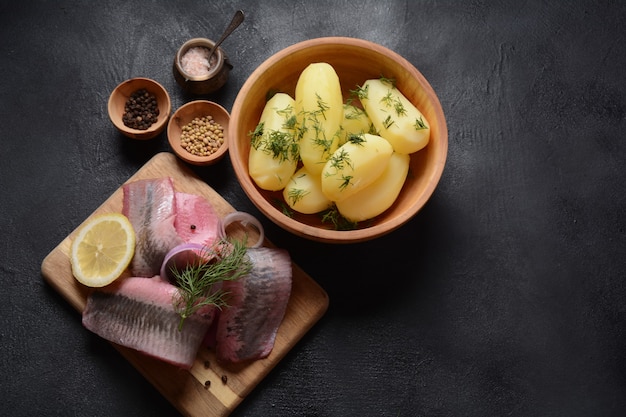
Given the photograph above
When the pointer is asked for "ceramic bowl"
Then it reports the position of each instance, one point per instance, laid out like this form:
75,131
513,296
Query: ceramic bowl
183,116
355,61
121,94
207,83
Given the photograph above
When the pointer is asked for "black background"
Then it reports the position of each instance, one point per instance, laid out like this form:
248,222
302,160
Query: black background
504,296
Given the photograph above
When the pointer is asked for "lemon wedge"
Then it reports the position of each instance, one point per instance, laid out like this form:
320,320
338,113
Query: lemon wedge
102,249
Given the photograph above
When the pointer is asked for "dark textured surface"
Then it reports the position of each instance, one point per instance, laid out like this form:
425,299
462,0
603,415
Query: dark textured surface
504,296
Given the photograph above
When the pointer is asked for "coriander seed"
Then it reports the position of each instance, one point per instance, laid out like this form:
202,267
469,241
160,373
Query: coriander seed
202,136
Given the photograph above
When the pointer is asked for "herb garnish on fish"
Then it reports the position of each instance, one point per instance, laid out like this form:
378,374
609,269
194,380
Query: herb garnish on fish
227,261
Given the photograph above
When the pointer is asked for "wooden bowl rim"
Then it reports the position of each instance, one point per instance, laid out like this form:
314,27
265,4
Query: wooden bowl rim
220,115
316,233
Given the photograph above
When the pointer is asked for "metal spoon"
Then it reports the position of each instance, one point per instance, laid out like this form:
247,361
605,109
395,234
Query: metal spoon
236,21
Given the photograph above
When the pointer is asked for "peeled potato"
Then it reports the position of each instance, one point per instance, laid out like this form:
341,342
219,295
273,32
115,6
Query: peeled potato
355,165
394,116
273,152
355,121
319,111
378,196
303,193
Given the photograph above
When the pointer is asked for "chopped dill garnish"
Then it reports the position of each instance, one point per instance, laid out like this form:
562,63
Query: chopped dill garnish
340,159
322,106
388,99
296,194
420,124
256,135
225,261
388,122
390,81
339,222
345,181
357,139
360,92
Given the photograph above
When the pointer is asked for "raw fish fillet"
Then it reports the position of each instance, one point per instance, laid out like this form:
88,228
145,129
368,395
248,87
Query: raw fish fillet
150,205
196,220
139,313
247,328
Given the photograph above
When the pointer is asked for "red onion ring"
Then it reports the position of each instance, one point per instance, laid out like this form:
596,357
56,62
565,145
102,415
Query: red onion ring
186,252
245,219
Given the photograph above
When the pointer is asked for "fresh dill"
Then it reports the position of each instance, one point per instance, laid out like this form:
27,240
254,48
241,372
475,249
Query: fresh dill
256,135
281,145
399,108
389,81
345,181
296,194
352,112
420,124
357,139
321,106
340,159
225,261
360,92
387,100
388,122
339,222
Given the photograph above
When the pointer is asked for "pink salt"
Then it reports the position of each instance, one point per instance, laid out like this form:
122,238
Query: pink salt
195,61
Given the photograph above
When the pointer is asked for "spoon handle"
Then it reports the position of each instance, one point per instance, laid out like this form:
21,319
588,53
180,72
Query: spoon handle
236,21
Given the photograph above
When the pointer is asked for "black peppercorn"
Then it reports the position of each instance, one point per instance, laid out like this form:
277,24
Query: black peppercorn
141,110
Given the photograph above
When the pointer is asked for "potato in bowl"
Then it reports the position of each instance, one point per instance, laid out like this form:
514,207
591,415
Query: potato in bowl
355,61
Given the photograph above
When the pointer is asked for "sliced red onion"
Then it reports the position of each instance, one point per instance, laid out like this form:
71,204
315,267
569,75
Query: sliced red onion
179,257
245,219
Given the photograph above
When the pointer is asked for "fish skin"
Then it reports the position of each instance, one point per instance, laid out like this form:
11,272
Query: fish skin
247,328
194,210
150,205
139,313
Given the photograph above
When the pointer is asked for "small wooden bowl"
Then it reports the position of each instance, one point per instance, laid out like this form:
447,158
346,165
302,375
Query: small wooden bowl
121,94
184,115
355,61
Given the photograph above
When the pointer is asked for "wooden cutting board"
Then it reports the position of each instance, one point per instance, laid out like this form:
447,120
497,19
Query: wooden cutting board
201,391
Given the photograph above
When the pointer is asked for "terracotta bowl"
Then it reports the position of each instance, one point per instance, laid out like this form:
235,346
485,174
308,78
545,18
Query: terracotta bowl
184,115
355,61
121,94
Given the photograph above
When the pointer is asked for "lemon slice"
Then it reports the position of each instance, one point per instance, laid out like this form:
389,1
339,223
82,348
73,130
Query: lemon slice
102,249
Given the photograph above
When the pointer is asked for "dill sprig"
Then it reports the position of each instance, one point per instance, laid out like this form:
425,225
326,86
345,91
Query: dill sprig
225,261
339,222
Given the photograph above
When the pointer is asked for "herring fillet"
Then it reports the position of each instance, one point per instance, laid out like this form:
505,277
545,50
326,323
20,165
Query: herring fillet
150,205
196,220
257,303
139,313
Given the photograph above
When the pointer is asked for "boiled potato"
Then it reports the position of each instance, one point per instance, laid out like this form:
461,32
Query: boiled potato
378,196
355,121
355,165
319,111
303,193
394,116
274,149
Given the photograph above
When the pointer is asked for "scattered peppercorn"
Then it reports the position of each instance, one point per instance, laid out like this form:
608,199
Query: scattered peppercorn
202,136
141,110
207,383
193,227
224,379
207,364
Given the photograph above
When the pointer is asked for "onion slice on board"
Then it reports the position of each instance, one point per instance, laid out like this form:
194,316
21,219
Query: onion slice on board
245,219
180,256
